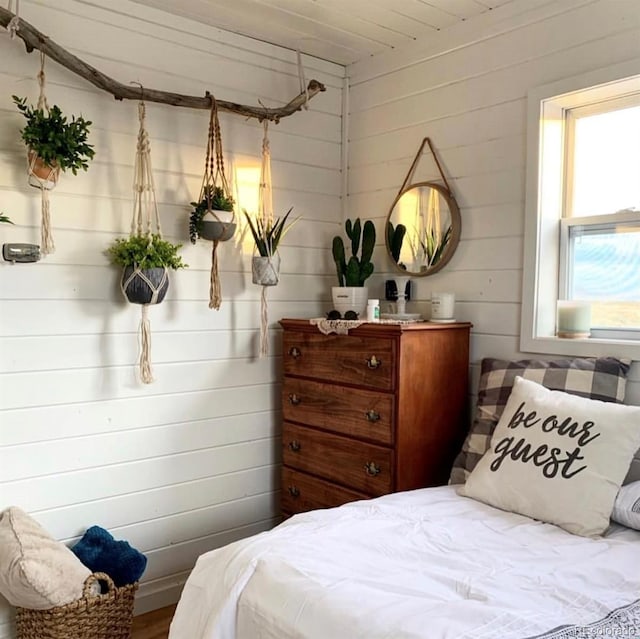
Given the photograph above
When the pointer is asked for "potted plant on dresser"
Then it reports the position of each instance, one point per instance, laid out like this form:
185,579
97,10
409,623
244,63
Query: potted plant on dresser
351,294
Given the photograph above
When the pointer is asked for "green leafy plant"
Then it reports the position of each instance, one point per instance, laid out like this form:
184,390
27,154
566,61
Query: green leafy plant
146,251
357,269
433,248
5,219
267,236
395,237
214,199
55,139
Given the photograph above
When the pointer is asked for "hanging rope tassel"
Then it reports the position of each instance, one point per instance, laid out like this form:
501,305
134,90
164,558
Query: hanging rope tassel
215,292
41,175
145,346
265,213
264,323
48,245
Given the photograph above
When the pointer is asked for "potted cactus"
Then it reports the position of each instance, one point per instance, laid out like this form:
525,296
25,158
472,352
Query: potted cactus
395,237
351,294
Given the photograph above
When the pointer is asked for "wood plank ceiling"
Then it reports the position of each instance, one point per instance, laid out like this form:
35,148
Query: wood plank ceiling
341,31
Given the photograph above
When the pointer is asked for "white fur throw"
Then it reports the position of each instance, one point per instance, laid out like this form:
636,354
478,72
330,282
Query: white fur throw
36,571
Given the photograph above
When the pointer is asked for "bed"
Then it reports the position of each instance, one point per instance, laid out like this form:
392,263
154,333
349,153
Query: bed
531,552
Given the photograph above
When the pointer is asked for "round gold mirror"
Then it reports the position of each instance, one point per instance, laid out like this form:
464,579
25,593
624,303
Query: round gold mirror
423,228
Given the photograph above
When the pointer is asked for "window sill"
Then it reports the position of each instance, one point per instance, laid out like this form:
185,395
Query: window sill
587,347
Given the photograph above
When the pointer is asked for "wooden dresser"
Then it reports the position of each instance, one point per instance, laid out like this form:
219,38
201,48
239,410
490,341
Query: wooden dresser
381,409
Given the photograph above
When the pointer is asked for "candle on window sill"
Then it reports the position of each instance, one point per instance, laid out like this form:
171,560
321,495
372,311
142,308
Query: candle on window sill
573,319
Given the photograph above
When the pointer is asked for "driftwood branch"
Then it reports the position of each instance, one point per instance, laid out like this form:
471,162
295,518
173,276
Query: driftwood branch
34,39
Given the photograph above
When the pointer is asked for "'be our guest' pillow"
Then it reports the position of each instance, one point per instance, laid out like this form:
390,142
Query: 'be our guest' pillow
558,458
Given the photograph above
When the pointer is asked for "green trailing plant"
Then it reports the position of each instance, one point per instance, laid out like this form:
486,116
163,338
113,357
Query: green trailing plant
146,251
214,199
268,236
395,237
355,271
55,139
433,249
5,219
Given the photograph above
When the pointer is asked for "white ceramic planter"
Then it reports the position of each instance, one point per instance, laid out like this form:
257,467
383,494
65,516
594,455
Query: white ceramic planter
265,270
350,298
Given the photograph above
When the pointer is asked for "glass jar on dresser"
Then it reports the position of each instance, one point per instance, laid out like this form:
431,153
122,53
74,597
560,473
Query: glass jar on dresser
382,409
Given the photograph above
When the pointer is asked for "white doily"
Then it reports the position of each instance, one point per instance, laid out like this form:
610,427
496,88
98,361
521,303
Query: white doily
341,326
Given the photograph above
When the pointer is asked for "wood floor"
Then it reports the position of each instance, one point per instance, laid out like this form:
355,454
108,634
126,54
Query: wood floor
153,625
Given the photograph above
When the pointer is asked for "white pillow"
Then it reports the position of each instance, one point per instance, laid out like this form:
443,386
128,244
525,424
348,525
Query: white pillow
36,571
626,509
557,457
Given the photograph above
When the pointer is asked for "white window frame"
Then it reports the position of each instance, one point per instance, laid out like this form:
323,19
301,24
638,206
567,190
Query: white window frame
591,224
544,206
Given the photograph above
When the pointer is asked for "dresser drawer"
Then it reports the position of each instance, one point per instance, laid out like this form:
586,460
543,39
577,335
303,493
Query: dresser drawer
362,361
355,464
347,411
301,492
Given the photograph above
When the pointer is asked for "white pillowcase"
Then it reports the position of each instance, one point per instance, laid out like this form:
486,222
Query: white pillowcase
36,571
558,458
626,509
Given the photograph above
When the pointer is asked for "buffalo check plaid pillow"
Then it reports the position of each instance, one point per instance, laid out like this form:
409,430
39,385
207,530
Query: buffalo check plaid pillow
602,378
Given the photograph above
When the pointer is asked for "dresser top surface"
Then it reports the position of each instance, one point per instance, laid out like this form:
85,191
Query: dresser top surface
375,328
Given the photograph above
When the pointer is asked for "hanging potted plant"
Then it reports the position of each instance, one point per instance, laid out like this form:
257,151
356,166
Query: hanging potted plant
265,267
54,143
351,294
212,217
146,260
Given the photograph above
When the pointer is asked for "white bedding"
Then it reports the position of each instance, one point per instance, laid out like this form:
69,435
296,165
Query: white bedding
425,564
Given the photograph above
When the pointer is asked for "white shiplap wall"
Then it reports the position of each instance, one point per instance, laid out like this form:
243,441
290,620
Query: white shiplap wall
467,91
190,462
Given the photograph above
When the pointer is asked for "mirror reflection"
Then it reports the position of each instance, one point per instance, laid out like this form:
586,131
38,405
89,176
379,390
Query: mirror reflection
423,228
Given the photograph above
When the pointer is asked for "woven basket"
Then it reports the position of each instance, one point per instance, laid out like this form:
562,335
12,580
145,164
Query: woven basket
107,616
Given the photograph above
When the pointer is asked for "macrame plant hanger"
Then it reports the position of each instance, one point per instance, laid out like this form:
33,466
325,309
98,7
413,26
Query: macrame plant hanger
41,175
214,176
12,27
145,222
271,264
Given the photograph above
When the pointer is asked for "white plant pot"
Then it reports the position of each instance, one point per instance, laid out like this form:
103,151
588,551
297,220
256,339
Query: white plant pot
265,270
350,298
218,225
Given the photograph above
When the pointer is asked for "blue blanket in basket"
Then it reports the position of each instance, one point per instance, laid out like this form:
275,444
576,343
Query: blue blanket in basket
100,552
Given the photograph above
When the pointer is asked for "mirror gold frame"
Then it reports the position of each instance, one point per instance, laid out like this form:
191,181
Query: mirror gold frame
455,226
427,234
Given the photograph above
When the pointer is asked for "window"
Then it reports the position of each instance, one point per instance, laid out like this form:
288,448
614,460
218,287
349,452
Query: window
582,230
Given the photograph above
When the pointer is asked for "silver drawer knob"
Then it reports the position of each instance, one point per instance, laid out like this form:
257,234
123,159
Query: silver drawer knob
372,469
294,399
295,352
373,362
